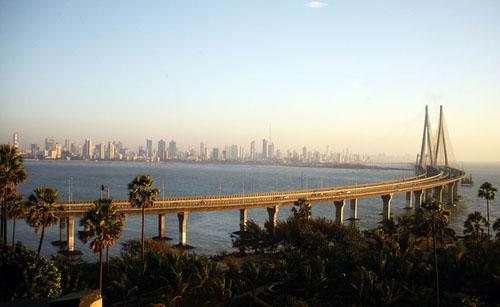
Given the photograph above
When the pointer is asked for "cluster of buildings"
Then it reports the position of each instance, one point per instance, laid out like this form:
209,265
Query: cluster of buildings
162,150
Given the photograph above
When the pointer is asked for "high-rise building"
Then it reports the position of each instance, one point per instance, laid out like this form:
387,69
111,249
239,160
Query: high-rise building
264,149
50,143
66,145
15,140
252,151
304,153
162,150
111,151
215,154
100,151
35,149
172,149
88,149
58,151
232,153
270,151
75,149
202,151
149,148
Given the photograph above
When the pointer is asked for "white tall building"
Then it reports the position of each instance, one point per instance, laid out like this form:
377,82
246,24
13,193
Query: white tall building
15,140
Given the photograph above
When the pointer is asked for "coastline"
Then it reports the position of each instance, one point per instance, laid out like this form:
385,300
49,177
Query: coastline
248,163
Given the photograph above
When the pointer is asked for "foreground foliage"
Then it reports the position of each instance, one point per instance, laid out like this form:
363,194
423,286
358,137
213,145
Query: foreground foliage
25,275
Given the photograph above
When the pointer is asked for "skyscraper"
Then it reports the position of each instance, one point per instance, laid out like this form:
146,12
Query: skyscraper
162,150
202,151
88,150
172,150
252,151
100,151
264,149
270,151
215,154
50,143
149,148
15,140
111,151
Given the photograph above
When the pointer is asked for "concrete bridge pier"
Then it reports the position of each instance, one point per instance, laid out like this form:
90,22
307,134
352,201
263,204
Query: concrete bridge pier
354,209
455,191
409,203
273,216
387,206
339,212
419,198
161,226
438,193
62,231
183,218
451,187
243,219
70,233
428,195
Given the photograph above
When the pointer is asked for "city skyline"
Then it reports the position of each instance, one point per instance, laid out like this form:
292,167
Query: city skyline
321,73
164,150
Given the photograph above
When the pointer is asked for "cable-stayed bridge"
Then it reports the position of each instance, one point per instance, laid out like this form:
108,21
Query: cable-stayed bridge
434,178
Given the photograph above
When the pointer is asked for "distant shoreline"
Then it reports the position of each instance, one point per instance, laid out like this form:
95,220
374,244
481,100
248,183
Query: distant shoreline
248,163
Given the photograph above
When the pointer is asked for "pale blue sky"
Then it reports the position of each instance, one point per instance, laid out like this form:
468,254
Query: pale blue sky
351,74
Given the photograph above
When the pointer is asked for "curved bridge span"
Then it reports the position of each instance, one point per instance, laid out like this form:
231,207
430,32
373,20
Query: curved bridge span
432,182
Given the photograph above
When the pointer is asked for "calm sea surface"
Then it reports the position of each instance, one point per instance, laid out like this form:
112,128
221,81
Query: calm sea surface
209,232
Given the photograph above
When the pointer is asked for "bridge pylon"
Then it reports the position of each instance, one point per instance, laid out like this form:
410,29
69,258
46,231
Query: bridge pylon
429,153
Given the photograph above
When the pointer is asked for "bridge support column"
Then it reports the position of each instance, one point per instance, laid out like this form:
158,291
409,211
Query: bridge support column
428,195
451,187
419,198
161,226
455,191
243,219
409,200
62,231
339,212
273,216
70,233
438,193
354,209
387,206
183,218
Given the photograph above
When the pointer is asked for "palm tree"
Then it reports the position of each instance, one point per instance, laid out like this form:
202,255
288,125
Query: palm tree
16,208
496,227
104,223
12,173
487,191
42,210
142,195
437,218
473,227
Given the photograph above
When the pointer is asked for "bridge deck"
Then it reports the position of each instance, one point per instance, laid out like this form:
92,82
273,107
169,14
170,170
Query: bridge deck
431,179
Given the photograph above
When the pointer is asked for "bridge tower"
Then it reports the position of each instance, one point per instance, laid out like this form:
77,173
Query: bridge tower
441,140
429,152
426,151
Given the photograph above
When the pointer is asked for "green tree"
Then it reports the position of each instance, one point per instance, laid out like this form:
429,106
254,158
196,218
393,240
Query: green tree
437,218
104,223
487,191
42,215
12,173
496,227
16,209
142,195
25,275
474,227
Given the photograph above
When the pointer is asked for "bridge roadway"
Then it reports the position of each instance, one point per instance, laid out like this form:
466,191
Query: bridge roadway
430,181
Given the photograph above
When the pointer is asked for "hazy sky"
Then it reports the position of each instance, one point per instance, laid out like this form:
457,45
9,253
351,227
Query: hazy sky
350,73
